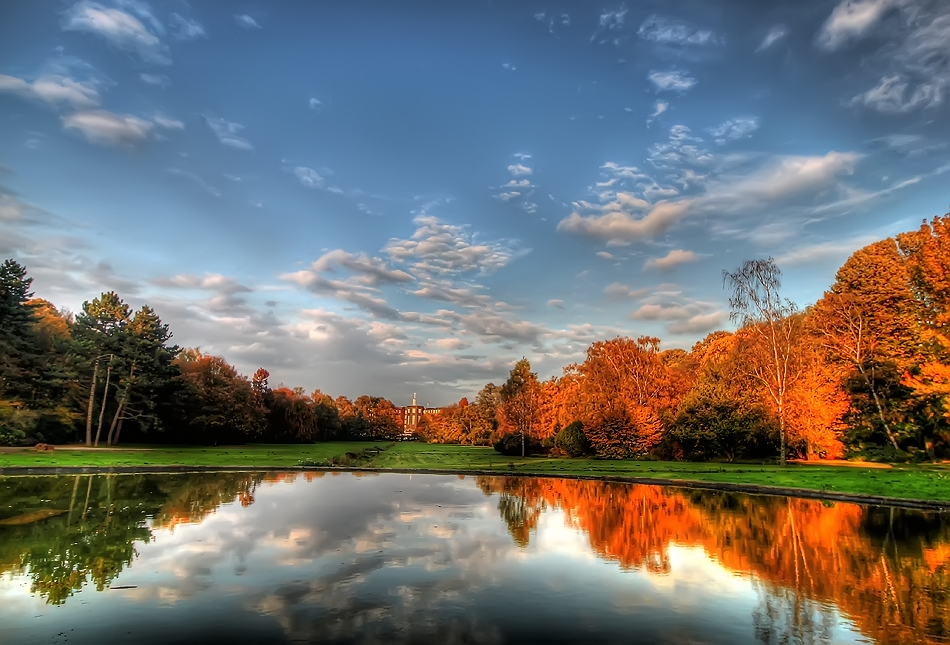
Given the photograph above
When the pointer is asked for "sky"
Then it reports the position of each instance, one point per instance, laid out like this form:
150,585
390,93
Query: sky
389,198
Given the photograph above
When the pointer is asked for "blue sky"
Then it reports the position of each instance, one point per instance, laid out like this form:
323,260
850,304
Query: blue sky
388,198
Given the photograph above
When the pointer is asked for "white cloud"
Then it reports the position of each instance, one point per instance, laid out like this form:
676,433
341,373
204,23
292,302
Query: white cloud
519,170
700,323
186,29
315,103
658,108
669,311
508,66
558,304
671,81
54,90
672,259
197,180
775,34
851,20
507,197
210,281
100,126
821,252
680,150
617,290
620,226
370,272
246,21
912,62
226,132
124,31
155,79
604,255
788,176
671,32
613,20
168,123
684,315
895,94
734,129
439,248
309,177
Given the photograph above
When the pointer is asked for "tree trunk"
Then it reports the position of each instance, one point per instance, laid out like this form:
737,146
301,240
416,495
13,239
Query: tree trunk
85,505
102,410
92,402
72,501
118,431
122,404
781,433
880,408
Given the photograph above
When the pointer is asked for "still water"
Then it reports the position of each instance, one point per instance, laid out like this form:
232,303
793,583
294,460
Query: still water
345,558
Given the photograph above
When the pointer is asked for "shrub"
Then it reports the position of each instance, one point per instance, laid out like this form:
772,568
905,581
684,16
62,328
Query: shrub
14,424
572,440
623,433
714,427
510,445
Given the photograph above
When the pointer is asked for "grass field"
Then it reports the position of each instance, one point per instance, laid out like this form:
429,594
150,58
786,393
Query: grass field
264,455
926,482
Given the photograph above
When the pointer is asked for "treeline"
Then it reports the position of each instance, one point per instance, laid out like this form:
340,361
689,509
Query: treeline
865,371
108,372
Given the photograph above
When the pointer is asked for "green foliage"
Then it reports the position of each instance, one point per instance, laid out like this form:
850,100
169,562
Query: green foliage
712,425
15,422
19,354
510,445
572,440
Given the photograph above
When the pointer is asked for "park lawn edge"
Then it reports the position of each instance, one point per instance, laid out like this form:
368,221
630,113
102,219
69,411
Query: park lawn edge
757,489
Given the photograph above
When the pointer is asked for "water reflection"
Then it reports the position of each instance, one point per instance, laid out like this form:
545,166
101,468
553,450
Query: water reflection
393,558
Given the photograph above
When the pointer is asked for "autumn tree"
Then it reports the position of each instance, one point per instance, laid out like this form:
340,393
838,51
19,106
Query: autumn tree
816,406
217,404
622,388
930,270
770,329
720,416
870,319
519,403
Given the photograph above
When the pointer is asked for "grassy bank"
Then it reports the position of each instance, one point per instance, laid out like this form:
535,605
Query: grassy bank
264,455
907,482
901,481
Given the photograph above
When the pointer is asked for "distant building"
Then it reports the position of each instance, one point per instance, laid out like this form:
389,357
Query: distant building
411,415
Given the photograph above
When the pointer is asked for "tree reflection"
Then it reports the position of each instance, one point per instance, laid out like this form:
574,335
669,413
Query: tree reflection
66,532
887,569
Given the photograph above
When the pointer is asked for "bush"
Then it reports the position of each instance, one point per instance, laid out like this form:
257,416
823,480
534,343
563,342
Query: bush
14,424
716,427
572,440
510,445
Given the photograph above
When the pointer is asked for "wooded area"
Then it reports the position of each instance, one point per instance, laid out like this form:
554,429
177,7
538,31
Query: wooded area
865,371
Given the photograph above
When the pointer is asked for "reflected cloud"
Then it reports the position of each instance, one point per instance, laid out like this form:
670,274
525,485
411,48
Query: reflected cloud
418,559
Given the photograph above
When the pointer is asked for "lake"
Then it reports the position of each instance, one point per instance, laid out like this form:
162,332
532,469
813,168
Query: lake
393,558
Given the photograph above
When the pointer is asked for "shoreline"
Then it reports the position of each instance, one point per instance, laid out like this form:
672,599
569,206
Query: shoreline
754,489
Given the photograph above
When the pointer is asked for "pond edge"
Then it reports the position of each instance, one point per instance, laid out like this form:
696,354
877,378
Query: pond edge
756,489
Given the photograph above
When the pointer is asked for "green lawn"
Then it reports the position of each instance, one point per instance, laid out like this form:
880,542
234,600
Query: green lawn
908,482
265,455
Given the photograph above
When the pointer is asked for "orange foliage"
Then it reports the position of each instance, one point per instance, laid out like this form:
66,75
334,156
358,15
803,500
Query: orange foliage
815,408
895,594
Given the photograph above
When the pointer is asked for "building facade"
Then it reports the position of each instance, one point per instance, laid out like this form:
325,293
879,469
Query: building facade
411,415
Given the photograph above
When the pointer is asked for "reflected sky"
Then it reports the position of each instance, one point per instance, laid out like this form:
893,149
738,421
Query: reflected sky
444,559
